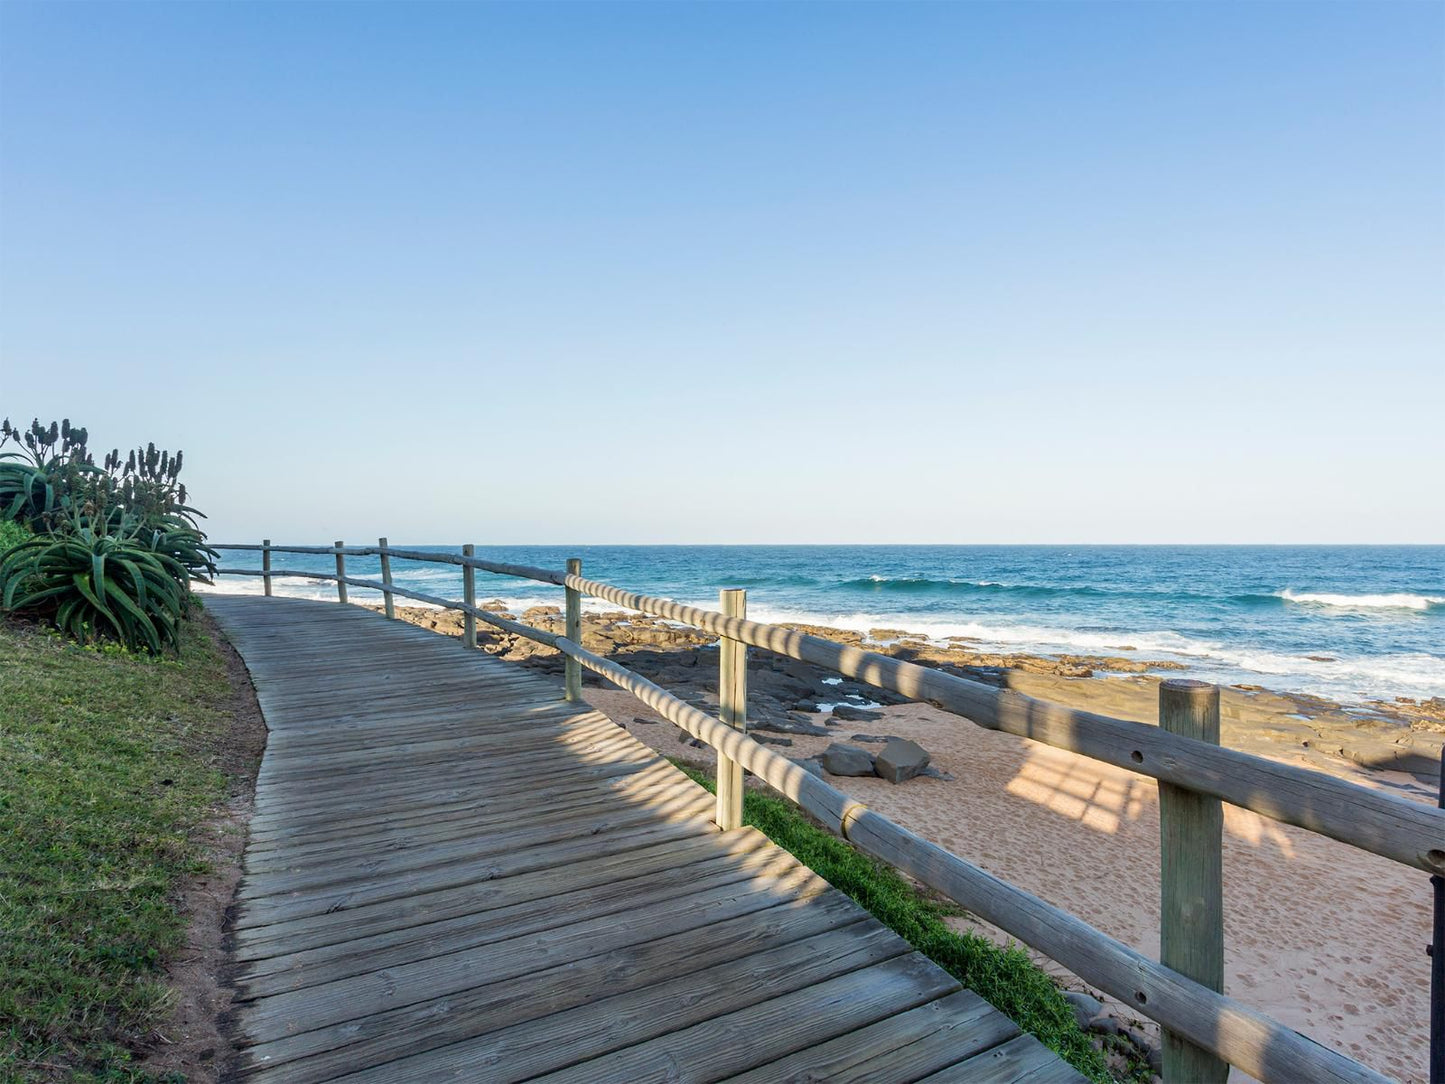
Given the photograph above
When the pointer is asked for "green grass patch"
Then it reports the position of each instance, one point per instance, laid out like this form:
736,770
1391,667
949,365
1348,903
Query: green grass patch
1005,977
108,765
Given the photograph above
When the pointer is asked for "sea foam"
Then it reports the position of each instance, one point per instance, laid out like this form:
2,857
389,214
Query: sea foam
1400,601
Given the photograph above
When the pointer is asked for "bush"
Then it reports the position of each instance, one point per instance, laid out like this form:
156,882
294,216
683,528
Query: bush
100,550
92,584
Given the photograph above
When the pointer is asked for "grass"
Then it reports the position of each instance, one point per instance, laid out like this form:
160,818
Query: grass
107,766
1005,977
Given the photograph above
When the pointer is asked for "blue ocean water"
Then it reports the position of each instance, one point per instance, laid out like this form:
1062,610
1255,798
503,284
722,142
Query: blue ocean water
1347,622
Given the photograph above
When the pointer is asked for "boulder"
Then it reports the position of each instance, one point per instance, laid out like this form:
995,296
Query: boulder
901,760
811,765
840,759
1087,1008
855,715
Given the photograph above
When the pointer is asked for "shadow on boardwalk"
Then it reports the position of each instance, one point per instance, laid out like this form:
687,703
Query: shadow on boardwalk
453,874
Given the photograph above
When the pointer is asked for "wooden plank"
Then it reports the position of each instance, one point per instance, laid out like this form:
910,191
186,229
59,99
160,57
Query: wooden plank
402,943
438,823
302,875
1021,1060
896,1049
766,1030
792,934
362,995
267,910
293,867
477,897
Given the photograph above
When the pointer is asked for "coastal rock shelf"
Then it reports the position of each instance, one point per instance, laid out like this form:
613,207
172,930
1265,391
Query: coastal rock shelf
453,874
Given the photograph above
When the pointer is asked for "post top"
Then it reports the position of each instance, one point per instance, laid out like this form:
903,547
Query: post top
1185,684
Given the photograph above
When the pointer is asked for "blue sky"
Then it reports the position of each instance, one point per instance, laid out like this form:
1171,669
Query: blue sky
1102,272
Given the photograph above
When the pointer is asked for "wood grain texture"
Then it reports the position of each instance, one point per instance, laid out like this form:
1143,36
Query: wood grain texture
453,873
1191,877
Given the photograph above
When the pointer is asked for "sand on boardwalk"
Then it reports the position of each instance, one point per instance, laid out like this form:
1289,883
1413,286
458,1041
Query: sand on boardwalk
1325,938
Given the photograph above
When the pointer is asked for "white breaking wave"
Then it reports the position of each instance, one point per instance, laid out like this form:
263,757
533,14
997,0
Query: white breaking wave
1344,678
1363,602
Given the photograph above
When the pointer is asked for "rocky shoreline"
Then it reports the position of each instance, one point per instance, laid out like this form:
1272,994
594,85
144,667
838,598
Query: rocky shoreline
787,697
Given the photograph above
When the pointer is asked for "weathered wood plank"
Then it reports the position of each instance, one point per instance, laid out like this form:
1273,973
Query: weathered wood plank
789,934
1021,1060
907,1046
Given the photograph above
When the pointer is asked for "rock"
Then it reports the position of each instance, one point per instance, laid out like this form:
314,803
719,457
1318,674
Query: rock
855,715
789,727
811,765
840,759
647,722
872,739
931,772
1371,753
773,741
901,760
496,606
1086,1007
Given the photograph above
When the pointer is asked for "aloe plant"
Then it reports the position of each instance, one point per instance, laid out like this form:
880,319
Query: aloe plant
92,584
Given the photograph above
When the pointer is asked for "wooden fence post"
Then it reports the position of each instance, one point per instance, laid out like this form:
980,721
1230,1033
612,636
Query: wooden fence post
340,571
266,565
574,632
733,709
469,596
386,599
1191,920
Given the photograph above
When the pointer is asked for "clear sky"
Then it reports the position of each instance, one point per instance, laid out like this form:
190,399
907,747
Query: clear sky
1027,272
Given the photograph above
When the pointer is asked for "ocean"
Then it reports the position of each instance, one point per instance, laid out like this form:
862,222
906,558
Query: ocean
1351,623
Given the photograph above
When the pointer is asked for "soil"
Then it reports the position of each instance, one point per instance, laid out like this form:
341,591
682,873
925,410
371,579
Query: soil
192,1042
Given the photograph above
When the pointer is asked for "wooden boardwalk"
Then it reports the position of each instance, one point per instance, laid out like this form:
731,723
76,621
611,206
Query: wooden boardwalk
454,875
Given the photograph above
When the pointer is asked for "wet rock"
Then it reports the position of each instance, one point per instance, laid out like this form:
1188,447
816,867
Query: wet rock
855,715
840,759
901,760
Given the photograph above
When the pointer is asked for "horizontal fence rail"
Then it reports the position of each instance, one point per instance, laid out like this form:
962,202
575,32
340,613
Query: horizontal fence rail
1407,832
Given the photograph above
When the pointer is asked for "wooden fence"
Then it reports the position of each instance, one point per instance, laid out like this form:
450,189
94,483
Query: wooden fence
1205,1032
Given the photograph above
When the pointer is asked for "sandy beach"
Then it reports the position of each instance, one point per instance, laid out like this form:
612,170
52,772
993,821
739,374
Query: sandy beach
1325,938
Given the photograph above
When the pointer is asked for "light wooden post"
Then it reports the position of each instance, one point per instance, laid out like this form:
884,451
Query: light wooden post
386,599
266,565
733,708
469,596
574,632
340,571
1191,920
